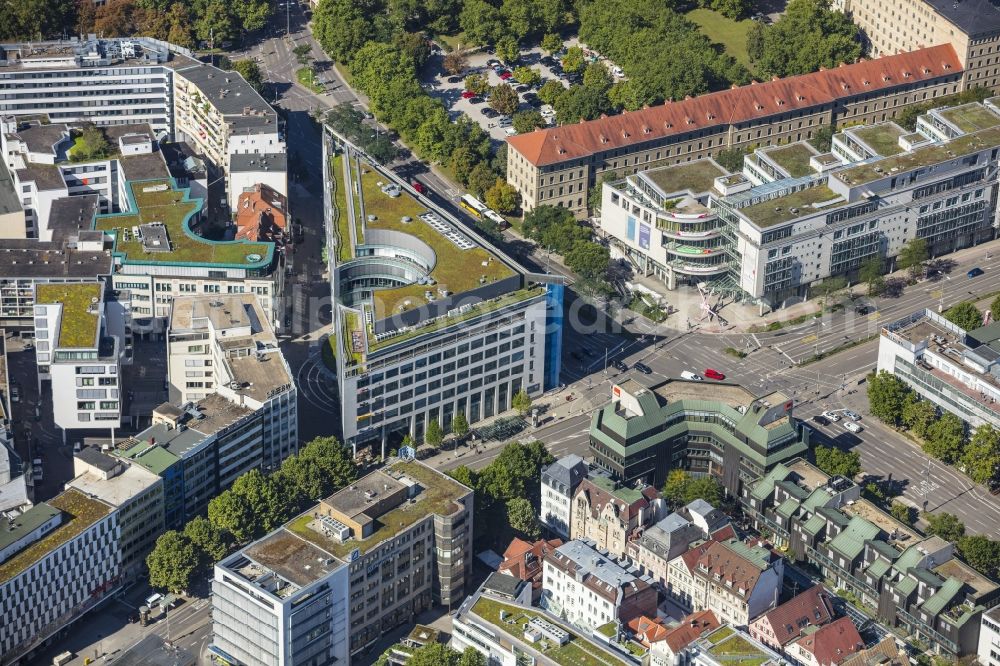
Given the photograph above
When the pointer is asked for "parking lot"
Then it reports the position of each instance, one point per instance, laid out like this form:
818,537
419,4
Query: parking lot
450,92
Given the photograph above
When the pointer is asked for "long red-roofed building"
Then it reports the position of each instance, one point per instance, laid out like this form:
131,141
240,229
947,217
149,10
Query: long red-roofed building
556,166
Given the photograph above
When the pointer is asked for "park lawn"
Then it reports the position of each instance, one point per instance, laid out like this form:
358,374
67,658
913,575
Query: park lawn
307,77
453,42
732,35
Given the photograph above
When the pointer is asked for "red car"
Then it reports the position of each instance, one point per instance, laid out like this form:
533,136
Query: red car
714,374
418,186
468,94
505,75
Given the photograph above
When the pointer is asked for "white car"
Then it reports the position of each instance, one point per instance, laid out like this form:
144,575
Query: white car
510,131
690,376
833,416
853,427
854,416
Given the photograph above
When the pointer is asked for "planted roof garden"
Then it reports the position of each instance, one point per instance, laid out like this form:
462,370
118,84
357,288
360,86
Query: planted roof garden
78,324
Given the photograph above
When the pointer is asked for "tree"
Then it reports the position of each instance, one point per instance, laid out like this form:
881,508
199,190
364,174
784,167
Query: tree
514,473
901,512
527,121
581,103
455,63
172,562
550,91
522,402
481,179
755,41
945,438
502,197
91,144
995,308
675,487
504,99
210,543
460,425
981,457
829,287
823,139
303,53
964,315
433,436
552,43
704,488
464,475
836,462
918,415
250,71
912,256
527,76
596,193
320,468
521,516
809,35
251,14
886,397
982,553
231,512
573,60
342,27
439,654
871,274
597,76
507,49
588,260
730,159
945,525
481,22
213,22
477,83
415,45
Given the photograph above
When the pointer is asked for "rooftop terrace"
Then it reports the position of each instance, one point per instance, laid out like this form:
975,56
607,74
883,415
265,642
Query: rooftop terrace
438,496
456,269
730,647
971,117
79,513
160,201
576,652
78,324
697,176
883,138
793,158
790,206
921,157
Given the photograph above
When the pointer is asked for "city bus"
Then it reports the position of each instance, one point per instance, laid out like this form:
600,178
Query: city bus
496,218
473,206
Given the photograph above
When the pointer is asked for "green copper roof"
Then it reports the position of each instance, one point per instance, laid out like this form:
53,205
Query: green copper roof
816,499
814,525
851,541
765,487
788,507
906,586
878,568
756,555
944,597
910,558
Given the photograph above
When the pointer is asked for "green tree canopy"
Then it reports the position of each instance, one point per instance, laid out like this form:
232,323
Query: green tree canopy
502,197
250,71
982,553
172,562
231,512
527,75
551,43
527,121
522,402
913,255
481,22
901,512
521,516
550,91
945,525
681,489
981,457
342,27
504,99
507,49
211,543
946,438
91,144
573,60
886,396
433,435
459,424
918,415
588,260
581,103
730,159
871,274
965,315
809,35
836,462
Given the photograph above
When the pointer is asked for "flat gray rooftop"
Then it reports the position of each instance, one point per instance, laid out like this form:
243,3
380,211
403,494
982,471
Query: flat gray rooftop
291,557
255,162
228,92
357,498
144,167
69,216
35,259
971,16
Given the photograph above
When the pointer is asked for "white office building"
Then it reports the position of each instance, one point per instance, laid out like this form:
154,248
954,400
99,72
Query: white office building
989,638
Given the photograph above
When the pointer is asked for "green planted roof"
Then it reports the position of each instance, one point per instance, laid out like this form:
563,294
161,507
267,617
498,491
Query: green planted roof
793,158
790,206
882,138
851,541
78,323
160,200
970,117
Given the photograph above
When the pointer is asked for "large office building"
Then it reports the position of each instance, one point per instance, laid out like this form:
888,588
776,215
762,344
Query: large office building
953,368
430,320
972,27
707,429
795,217
331,582
557,166
916,583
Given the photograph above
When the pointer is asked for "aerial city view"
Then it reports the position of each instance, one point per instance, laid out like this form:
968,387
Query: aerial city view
500,332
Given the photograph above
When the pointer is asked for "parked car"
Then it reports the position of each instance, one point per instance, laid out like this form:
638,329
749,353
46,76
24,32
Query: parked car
522,88
476,100
418,186
864,309
468,94
531,99
505,75
832,416
504,121
621,366
643,368
548,61
488,112
15,393
510,131
975,272
854,416
690,376
821,420
492,62
454,79
714,374
853,427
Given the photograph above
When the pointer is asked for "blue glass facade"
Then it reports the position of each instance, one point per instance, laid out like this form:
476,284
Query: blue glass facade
553,334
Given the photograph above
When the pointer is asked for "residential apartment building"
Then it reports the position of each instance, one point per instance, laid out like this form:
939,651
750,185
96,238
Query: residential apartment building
558,165
736,581
716,647
715,429
830,645
559,482
105,81
668,651
611,515
81,345
798,616
225,345
387,547
953,368
431,320
663,542
972,27
916,583
523,561
586,587
280,600
248,171
989,638
58,560
794,217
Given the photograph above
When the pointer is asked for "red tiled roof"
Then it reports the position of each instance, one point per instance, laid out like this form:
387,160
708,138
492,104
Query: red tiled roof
647,629
597,497
515,558
690,628
757,100
810,608
260,214
730,567
833,643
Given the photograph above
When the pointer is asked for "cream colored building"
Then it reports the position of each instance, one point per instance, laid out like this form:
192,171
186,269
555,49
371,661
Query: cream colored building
972,27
